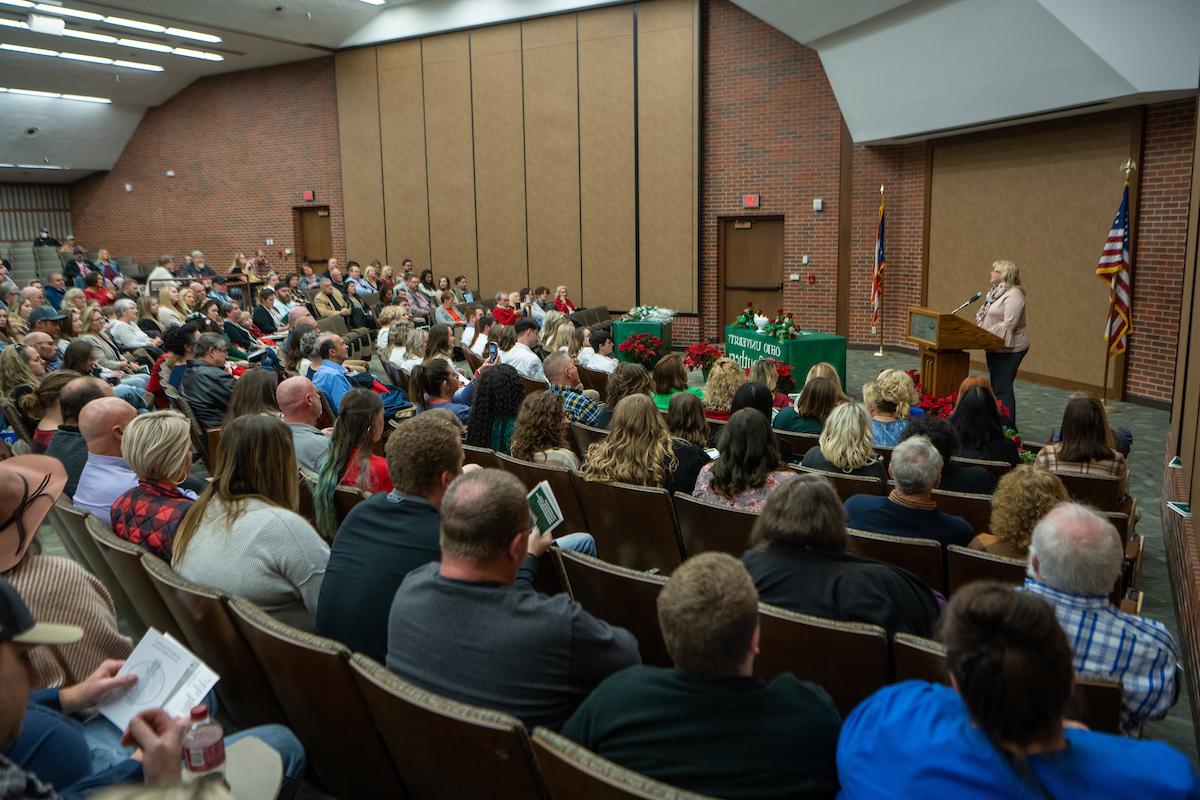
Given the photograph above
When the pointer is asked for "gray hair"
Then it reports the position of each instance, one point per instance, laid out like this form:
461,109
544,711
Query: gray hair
123,305
916,465
1076,550
197,254
500,296
209,341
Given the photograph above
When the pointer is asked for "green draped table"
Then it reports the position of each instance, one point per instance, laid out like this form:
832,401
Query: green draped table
746,346
623,329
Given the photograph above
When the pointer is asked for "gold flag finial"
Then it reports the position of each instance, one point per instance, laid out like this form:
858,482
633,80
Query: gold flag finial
881,188
1128,167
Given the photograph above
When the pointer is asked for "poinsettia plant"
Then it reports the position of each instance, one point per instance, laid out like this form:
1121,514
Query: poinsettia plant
746,318
642,348
944,407
786,383
701,355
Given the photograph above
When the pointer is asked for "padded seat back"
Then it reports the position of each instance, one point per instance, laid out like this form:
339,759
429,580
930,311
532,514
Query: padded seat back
483,456
72,525
1101,491
335,323
704,526
534,386
619,596
311,677
964,566
800,443
998,468
473,360
13,418
976,509
584,436
848,485
209,631
594,379
634,526
848,659
571,772
125,560
915,658
444,749
921,557
559,478
199,434
344,499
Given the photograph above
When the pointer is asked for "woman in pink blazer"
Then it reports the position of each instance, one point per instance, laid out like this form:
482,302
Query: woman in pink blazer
1003,313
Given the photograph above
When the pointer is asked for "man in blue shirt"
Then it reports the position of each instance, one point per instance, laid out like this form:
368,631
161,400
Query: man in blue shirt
329,376
56,287
219,292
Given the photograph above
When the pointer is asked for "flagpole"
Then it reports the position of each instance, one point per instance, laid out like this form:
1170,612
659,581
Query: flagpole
879,291
1127,167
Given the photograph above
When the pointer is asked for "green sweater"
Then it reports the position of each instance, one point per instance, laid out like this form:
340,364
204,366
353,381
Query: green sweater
788,420
663,401
731,737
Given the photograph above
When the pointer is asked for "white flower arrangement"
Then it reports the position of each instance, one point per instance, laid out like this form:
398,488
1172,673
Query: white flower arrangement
649,314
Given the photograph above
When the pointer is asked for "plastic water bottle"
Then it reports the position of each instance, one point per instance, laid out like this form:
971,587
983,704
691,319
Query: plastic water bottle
203,748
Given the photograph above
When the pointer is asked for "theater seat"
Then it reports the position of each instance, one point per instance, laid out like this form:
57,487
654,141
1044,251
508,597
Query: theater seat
559,478
594,379
976,509
483,456
73,526
619,596
534,386
921,557
634,526
125,560
311,677
964,566
848,485
444,749
704,526
584,436
572,772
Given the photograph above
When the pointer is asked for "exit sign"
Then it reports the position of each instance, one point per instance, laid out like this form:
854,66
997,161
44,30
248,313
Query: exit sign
751,200
310,195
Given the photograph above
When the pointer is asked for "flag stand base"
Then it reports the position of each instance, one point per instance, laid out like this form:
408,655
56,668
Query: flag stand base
879,353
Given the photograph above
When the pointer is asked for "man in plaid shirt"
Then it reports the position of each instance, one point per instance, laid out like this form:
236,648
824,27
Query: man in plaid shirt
1074,561
563,376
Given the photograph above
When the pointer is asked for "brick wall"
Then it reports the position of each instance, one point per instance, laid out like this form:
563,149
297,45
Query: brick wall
244,147
1168,140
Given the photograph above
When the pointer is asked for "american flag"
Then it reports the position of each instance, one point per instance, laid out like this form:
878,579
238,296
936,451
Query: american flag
1114,269
880,263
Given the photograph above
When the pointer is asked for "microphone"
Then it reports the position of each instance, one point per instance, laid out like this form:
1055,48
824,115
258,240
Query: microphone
970,300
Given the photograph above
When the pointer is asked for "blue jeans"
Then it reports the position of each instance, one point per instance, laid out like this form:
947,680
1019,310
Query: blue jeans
131,395
579,542
1002,369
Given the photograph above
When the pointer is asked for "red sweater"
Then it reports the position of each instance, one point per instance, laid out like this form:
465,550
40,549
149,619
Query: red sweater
504,316
564,305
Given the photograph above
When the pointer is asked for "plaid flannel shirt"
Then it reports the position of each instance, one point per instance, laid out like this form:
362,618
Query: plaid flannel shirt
580,408
148,514
17,783
1048,458
1139,653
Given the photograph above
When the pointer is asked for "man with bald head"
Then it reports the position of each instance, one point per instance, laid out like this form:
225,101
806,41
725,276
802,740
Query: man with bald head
563,376
47,348
300,403
68,445
105,476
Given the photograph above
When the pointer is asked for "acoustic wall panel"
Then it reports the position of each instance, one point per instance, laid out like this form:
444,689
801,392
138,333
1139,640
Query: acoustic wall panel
362,170
552,151
606,158
449,156
402,124
667,107
499,158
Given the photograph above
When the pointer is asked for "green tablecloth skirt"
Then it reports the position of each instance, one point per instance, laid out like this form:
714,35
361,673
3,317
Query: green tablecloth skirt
622,330
808,348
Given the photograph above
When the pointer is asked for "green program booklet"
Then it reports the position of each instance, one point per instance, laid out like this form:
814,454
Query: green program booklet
546,513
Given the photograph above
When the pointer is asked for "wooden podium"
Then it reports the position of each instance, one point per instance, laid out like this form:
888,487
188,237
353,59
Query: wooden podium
942,338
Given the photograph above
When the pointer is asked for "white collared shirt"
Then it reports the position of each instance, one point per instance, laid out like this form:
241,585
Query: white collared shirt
525,361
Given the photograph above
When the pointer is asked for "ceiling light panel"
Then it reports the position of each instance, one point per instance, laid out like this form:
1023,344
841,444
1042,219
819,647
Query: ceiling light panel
153,27
38,51
36,93
183,33
17,3
67,12
140,44
91,37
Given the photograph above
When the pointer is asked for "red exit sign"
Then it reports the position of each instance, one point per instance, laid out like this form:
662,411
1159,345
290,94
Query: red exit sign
751,200
310,195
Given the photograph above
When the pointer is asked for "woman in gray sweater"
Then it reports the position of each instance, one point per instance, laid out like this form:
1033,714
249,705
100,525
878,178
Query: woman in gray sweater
243,535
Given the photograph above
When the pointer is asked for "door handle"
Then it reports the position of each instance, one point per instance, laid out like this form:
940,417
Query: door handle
778,287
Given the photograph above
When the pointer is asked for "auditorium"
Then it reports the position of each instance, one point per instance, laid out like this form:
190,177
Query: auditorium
599,399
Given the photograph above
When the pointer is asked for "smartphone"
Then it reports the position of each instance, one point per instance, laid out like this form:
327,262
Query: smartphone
493,352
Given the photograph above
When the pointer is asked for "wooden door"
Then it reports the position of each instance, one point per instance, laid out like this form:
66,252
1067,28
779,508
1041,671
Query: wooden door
751,261
316,241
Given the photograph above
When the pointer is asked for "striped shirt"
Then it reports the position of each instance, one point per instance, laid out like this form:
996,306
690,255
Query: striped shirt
1139,653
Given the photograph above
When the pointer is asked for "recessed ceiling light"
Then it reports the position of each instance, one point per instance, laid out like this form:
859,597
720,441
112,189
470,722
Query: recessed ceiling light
373,2
36,93
93,37
67,12
135,23
37,51
82,57
17,3
200,37
33,51
83,98
143,45
138,65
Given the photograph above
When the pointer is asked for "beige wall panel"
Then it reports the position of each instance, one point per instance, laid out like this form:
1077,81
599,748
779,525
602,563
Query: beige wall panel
362,173
448,143
499,158
667,156
1044,199
552,151
402,122
606,160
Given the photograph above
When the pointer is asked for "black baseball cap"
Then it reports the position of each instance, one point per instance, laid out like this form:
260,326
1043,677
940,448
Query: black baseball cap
18,625
46,313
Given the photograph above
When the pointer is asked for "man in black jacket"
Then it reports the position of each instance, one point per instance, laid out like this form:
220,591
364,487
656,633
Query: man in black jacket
76,267
206,384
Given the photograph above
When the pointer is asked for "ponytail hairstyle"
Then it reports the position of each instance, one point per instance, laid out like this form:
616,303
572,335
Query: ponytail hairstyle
353,436
428,380
1011,664
35,404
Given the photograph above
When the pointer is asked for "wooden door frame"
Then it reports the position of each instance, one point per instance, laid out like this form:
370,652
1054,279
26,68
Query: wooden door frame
298,230
722,320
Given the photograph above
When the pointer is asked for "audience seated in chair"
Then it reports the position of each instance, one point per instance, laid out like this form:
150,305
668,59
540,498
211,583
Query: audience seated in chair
969,478
799,562
563,375
910,509
106,476
628,378
845,445
1075,559
598,354
53,587
1022,497
68,445
533,656
158,448
709,725
999,730
436,384
980,426
520,356
1087,446
43,408
300,403
889,399
243,536
541,432
498,397
389,534
206,384
724,379
329,375
817,400
749,467
640,450
350,460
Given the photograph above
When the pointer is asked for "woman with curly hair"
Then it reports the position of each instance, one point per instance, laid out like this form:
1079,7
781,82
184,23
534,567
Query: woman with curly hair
74,298
638,448
1023,496
749,467
349,460
21,367
845,445
628,378
541,432
292,355
724,379
498,397
890,399
670,377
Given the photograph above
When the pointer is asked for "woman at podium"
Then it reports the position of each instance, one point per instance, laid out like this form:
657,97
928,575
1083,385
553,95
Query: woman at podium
1003,314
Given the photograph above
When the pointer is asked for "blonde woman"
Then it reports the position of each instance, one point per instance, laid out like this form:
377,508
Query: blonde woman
724,379
549,323
397,339
74,298
559,338
638,448
158,447
414,350
845,445
1003,313
1023,496
387,316
188,301
763,371
170,312
889,399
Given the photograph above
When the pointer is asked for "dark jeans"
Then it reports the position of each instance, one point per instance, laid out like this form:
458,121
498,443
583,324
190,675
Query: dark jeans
1002,368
